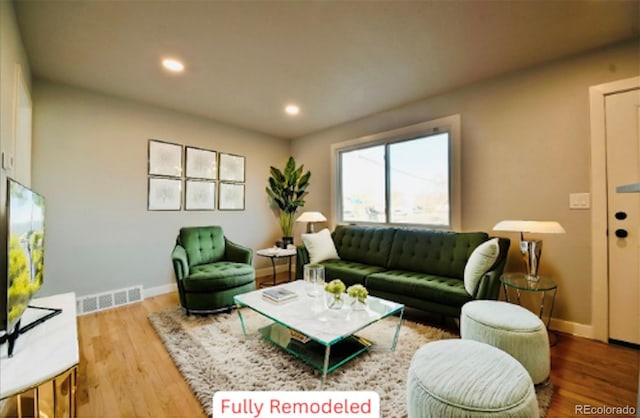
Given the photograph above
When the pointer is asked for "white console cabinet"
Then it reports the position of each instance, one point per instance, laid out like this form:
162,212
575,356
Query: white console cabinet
40,379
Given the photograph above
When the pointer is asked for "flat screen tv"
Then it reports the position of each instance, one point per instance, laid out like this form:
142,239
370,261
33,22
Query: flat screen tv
24,235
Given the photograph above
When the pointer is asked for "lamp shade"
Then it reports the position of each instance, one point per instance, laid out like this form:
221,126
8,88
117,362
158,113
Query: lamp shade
540,227
311,217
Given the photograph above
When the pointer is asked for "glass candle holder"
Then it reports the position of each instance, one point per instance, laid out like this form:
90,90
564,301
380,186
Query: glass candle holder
314,279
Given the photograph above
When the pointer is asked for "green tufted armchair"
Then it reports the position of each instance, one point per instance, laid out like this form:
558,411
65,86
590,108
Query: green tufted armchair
210,269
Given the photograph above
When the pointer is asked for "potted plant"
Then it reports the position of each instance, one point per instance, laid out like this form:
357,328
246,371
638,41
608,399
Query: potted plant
286,190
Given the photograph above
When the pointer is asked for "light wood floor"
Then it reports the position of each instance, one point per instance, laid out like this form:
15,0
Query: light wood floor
125,370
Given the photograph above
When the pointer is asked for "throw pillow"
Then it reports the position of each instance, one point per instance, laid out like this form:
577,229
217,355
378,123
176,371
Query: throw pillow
479,263
320,246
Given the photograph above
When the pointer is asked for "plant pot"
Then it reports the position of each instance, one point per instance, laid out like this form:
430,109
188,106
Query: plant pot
286,241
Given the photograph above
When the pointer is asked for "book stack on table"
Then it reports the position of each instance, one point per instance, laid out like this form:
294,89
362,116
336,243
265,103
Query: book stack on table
278,294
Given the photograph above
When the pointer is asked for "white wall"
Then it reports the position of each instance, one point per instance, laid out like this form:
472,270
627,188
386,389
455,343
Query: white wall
525,148
90,163
13,64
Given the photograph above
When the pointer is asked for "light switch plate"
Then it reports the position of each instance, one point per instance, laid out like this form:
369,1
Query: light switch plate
580,201
7,161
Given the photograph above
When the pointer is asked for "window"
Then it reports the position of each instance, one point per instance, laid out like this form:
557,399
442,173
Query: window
362,185
408,176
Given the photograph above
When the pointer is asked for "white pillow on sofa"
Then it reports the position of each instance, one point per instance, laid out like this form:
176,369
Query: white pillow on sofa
481,260
320,246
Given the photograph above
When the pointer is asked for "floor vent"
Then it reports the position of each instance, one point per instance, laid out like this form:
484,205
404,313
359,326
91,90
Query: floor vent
108,300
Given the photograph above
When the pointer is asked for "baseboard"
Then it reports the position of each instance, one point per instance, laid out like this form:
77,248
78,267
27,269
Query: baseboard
149,292
573,328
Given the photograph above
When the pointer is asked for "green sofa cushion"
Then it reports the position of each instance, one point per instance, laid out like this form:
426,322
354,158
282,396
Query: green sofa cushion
218,276
443,290
203,244
439,253
363,244
349,272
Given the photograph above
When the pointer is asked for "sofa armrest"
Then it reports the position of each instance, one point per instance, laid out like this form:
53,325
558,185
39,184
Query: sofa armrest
180,262
489,287
302,258
237,253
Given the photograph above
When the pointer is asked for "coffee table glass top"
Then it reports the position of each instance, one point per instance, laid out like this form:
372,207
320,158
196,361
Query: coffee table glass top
310,316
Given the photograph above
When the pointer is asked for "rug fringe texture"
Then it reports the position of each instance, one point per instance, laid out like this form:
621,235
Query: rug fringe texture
212,354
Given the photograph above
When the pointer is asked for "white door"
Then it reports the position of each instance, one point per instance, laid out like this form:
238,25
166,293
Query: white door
622,116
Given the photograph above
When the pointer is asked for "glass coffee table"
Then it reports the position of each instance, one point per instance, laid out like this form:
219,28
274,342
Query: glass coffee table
321,337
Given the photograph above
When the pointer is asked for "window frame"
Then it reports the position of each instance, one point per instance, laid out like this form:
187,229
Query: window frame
450,124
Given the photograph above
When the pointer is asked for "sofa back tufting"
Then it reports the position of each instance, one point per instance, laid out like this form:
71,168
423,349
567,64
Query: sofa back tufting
440,253
364,244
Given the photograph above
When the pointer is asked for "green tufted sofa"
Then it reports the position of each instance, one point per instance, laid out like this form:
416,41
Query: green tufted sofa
423,269
210,270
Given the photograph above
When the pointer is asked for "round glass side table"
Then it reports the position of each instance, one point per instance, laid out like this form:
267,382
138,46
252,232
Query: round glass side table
521,282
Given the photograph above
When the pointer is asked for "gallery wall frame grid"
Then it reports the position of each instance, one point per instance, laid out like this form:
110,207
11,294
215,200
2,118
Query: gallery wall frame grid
231,167
184,177
201,163
164,158
199,195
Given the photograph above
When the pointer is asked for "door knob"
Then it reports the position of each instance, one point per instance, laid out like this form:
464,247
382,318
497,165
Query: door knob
621,215
621,233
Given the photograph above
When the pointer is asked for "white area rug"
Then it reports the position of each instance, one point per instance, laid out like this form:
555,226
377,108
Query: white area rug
213,354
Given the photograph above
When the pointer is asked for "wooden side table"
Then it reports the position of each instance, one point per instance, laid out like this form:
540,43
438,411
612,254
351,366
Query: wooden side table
521,282
277,253
41,377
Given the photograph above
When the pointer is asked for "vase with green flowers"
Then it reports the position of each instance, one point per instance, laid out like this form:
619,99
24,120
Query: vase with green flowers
336,289
358,294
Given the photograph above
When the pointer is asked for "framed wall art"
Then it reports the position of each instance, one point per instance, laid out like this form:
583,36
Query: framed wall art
165,158
164,194
231,167
231,196
200,195
201,163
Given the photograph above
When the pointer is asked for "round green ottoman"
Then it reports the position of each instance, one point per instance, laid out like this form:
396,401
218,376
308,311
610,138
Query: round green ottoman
465,378
510,328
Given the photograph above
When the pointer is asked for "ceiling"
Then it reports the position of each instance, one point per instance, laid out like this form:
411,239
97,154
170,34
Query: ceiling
338,60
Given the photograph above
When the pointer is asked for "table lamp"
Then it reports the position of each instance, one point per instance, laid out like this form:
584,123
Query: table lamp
532,249
310,218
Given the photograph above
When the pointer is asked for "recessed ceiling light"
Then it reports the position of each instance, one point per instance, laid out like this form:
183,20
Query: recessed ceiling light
173,65
292,109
